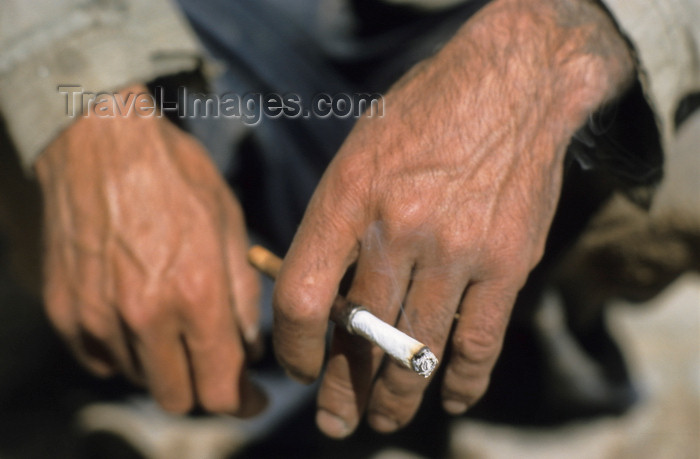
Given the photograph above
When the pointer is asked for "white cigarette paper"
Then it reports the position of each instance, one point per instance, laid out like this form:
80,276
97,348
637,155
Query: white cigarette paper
409,352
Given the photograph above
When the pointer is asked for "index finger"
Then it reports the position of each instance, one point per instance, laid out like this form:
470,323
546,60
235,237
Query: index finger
321,252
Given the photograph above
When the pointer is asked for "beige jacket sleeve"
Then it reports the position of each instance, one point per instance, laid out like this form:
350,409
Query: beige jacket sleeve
95,45
666,37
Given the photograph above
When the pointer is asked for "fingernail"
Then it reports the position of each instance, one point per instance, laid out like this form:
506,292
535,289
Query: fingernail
252,334
382,423
454,406
332,425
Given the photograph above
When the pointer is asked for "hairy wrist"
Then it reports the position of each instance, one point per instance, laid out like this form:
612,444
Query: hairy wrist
557,60
121,134
595,57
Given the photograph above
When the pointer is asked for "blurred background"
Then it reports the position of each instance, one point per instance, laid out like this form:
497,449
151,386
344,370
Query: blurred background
50,408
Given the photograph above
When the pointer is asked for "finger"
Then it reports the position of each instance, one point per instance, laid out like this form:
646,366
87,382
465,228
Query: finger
61,311
428,315
155,333
58,300
476,343
211,331
61,291
242,278
344,390
164,360
380,280
102,336
216,354
103,341
307,285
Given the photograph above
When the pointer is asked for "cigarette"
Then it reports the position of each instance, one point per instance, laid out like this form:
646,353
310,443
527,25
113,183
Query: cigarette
357,320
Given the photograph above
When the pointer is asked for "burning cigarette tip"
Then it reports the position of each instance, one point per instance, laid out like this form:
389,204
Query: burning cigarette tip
424,362
355,318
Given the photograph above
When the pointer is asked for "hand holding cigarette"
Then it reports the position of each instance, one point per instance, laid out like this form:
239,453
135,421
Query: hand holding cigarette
444,205
357,320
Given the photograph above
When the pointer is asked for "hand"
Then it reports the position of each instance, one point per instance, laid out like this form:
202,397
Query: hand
145,262
444,205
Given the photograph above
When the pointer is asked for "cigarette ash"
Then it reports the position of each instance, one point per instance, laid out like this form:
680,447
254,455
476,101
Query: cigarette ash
424,362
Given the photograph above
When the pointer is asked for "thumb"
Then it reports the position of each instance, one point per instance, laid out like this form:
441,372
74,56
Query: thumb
321,252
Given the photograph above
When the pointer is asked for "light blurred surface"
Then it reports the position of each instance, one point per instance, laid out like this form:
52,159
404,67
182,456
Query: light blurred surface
661,340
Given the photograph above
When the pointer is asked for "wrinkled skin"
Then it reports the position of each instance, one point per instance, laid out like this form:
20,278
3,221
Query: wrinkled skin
444,205
145,262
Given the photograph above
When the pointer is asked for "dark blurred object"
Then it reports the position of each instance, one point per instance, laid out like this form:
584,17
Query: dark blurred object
20,218
41,386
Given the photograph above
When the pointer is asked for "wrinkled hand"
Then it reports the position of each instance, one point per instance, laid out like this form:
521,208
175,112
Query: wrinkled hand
444,204
145,263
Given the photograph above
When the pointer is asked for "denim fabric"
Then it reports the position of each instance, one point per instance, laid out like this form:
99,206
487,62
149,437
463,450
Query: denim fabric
305,47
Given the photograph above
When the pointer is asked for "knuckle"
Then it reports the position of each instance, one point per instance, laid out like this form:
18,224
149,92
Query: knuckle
512,258
403,388
467,390
452,236
336,388
200,286
294,306
301,369
452,248
397,392
405,218
479,347
141,318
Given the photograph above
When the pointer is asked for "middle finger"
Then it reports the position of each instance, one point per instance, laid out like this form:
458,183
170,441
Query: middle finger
428,315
